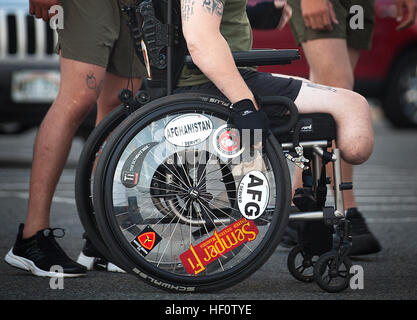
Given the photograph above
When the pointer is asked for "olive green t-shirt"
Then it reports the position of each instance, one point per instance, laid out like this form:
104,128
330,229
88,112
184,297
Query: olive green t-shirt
235,28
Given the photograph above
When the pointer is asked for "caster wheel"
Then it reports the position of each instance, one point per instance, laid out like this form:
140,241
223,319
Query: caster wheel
331,277
301,265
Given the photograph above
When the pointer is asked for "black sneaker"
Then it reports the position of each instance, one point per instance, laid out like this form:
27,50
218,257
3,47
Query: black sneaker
40,252
363,241
92,259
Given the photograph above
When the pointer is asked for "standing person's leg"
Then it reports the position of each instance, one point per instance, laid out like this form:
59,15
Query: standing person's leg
123,66
332,55
89,256
109,97
86,43
332,63
124,70
79,90
35,249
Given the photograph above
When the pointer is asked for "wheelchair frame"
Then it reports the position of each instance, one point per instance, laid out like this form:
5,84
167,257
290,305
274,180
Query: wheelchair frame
252,58
155,88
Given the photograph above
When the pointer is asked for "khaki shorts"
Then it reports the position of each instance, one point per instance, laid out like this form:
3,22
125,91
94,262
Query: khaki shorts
95,32
360,39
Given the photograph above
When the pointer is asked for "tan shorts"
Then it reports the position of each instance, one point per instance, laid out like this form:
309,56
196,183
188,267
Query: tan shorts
360,39
95,32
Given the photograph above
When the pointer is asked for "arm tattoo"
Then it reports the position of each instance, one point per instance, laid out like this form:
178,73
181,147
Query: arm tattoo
320,87
214,6
187,9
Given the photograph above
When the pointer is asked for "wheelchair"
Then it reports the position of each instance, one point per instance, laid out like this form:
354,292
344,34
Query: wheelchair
165,190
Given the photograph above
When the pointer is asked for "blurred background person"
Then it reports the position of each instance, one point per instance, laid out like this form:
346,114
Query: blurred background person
332,48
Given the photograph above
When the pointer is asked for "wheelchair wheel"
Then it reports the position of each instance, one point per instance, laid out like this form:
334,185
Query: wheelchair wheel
331,274
301,264
85,174
179,201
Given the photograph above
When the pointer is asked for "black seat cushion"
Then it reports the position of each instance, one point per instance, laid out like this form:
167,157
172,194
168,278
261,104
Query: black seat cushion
316,126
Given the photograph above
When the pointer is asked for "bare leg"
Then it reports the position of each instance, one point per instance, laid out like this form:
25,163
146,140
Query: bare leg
80,87
109,97
335,69
351,113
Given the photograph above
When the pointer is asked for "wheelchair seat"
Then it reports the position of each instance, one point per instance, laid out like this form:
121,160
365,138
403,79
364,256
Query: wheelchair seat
314,127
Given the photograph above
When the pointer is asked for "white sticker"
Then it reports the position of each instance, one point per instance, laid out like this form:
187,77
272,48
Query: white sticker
188,130
226,141
253,195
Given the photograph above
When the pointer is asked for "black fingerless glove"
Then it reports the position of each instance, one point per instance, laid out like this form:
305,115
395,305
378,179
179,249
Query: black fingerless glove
245,116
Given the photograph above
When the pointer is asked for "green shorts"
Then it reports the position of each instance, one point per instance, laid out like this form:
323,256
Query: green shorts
95,32
356,38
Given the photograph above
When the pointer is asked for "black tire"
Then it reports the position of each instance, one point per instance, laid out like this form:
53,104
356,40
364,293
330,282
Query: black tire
301,270
84,173
400,100
169,273
329,282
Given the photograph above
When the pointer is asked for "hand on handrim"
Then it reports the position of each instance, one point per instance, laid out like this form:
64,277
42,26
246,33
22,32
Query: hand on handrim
246,116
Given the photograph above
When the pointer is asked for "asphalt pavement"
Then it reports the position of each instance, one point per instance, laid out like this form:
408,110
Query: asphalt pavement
385,187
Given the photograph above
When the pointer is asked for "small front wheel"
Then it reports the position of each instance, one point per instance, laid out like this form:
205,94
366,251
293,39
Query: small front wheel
331,273
301,264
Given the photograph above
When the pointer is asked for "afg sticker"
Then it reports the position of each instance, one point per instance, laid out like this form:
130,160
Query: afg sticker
226,141
188,130
146,241
253,195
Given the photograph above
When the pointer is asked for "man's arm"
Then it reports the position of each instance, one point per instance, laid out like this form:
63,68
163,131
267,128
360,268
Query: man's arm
40,8
209,50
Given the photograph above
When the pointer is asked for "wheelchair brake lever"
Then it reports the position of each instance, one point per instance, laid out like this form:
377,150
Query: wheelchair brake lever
300,161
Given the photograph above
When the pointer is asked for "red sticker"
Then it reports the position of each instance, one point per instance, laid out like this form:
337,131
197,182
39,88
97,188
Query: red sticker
229,141
198,257
146,241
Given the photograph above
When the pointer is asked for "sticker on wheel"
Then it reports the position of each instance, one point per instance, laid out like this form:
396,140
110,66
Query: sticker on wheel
226,141
146,241
133,165
188,130
197,257
253,195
